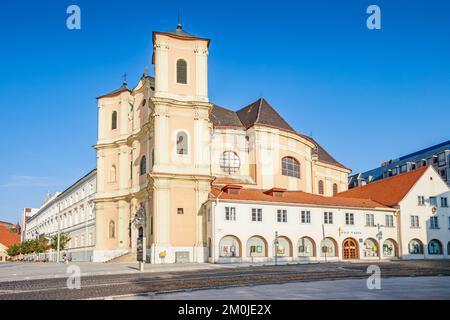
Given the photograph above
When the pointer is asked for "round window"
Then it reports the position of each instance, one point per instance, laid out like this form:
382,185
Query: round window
229,162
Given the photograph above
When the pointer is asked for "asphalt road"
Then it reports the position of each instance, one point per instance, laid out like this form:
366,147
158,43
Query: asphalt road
107,285
417,288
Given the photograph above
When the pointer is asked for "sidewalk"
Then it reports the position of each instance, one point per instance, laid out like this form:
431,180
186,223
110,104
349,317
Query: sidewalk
17,271
35,270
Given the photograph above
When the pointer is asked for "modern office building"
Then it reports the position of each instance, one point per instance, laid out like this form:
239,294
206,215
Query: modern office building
438,156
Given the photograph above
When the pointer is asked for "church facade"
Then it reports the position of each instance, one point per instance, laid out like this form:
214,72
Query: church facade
163,147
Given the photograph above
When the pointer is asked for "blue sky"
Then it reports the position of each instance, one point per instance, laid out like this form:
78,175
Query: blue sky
366,96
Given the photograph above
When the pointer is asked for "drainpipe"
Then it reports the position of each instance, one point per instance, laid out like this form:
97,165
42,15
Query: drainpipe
213,226
399,234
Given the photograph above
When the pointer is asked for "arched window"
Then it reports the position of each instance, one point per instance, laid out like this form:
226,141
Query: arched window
182,143
143,166
290,167
370,248
182,71
328,247
229,162
389,248
435,247
112,230
256,247
112,174
321,191
284,247
114,120
415,246
306,247
335,189
230,246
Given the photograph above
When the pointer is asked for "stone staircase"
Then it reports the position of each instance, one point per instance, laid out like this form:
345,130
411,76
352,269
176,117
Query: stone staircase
128,257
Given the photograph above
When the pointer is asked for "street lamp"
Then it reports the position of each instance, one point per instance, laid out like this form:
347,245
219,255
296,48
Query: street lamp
276,247
58,241
379,237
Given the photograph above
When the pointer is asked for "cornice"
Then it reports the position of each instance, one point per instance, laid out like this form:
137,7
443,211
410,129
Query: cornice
110,145
181,104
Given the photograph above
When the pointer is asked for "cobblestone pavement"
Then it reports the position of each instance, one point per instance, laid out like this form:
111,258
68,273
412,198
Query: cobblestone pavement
34,270
423,288
168,278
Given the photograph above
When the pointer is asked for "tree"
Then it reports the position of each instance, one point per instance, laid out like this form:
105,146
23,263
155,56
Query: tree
64,239
40,244
13,250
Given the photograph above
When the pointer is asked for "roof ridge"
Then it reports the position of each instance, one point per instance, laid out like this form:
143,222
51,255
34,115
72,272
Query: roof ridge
259,109
392,177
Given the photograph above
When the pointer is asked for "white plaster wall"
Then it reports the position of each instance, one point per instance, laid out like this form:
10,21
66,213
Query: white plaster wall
409,206
243,228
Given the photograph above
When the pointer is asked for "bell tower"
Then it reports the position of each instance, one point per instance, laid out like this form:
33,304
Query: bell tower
180,178
181,65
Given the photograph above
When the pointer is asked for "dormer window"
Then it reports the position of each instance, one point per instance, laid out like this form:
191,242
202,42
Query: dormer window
275,192
181,71
232,189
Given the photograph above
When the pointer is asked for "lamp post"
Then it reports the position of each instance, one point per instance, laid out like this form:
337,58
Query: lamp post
276,247
379,237
58,241
36,234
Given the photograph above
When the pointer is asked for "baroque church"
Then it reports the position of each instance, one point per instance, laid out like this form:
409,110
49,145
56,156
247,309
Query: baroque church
163,147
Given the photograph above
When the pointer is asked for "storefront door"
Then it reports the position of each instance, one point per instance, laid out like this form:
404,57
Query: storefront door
350,249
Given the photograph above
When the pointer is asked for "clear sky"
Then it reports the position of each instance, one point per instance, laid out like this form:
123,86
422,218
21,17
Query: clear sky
366,95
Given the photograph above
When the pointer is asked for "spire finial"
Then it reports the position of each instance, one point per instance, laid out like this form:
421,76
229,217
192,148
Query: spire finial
124,78
179,21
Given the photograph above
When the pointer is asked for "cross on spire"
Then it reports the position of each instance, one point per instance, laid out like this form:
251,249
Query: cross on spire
124,78
179,20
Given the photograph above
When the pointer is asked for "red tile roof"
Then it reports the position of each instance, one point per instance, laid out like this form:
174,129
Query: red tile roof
299,197
8,238
261,112
389,191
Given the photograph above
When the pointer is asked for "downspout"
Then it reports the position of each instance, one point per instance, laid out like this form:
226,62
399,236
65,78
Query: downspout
399,234
213,227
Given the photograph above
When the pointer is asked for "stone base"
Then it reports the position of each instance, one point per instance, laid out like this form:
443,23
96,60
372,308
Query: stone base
157,254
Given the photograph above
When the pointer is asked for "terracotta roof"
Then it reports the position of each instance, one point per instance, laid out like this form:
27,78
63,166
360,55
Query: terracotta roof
299,197
123,88
8,238
222,117
262,113
389,191
324,156
180,33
